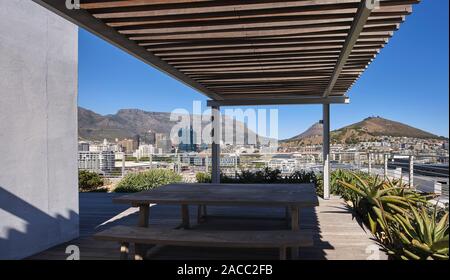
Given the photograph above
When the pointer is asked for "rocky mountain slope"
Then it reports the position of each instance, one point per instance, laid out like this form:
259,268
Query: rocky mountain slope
127,123
369,129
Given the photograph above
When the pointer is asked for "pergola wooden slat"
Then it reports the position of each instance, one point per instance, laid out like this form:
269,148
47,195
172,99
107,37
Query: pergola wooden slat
253,52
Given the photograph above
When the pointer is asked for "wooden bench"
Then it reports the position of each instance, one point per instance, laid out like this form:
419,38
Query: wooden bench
195,238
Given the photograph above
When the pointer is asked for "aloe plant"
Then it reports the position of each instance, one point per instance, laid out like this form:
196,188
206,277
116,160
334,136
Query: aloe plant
417,235
392,196
398,216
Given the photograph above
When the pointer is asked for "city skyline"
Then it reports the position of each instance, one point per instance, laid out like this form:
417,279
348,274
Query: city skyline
395,86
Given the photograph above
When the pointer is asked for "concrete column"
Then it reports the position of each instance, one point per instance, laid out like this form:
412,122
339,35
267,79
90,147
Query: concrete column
411,171
150,160
215,156
39,205
326,151
369,160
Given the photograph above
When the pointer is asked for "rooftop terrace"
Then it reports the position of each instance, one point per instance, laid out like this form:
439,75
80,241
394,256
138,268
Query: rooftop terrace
337,233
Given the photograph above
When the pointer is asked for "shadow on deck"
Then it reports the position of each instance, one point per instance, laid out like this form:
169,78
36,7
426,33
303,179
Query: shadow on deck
336,233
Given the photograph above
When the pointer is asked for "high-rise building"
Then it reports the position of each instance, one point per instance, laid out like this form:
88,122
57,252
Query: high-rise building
128,145
137,140
187,138
149,137
163,143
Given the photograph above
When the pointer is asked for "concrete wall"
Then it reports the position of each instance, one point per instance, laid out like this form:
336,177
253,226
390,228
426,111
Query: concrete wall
38,129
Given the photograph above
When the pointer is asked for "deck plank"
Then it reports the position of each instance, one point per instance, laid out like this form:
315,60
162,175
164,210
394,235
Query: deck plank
336,232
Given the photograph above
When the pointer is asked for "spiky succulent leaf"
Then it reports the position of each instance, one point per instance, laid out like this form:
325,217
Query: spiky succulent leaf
440,245
411,255
372,224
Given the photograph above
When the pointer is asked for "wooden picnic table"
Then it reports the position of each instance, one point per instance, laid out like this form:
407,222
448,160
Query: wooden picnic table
289,196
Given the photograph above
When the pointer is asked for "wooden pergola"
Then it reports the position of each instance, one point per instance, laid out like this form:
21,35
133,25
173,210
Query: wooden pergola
252,52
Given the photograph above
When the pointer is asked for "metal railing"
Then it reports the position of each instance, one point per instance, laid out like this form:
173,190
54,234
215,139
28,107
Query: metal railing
427,173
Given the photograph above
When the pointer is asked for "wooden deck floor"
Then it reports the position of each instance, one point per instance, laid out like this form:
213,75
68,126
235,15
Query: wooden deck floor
337,234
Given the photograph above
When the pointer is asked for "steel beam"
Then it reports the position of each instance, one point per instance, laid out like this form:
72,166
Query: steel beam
362,15
280,101
85,20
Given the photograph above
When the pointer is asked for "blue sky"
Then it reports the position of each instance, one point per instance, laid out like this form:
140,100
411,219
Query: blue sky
407,82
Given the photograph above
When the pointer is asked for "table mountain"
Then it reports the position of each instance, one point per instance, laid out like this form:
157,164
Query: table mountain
127,123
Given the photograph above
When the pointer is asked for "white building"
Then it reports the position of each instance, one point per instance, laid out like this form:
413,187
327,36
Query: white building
104,146
227,160
100,162
83,146
285,165
201,160
144,151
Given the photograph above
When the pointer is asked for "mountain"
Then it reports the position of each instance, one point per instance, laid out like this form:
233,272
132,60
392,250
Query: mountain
127,123
377,126
314,130
368,129
310,136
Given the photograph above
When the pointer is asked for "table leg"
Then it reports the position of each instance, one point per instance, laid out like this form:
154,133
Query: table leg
201,213
185,216
139,249
295,226
205,213
144,211
287,216
283,253
124,250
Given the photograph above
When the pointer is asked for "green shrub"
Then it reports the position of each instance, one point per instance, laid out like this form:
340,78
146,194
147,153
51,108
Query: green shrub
203,177
136,182
266,176
89,181
301,177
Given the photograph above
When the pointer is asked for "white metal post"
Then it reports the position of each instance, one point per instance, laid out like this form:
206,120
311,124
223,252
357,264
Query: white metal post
411,171
235,165
150,160
123,165
385,166
215,155
326,151
358,160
